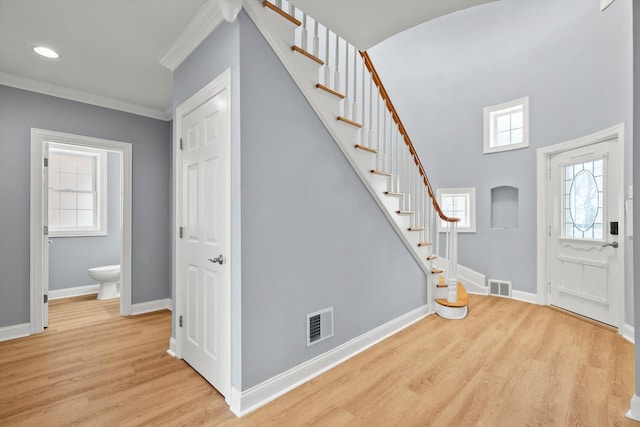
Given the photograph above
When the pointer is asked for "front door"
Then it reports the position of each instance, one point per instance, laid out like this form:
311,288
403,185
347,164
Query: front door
585,218
205,336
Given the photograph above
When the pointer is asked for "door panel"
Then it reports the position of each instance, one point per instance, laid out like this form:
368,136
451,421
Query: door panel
584,200
205,202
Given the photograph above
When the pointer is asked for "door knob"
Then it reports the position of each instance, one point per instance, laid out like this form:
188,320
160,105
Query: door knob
220,259
612,244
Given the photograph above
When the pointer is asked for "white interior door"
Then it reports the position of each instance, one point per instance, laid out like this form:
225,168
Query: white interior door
586,264
205,337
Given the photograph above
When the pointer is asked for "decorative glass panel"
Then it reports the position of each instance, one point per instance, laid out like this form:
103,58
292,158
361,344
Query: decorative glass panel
584,195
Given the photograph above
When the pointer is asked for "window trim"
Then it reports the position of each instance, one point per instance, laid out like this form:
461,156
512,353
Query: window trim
490,133
471,192
101,189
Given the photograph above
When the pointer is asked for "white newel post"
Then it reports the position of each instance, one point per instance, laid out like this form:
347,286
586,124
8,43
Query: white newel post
452,277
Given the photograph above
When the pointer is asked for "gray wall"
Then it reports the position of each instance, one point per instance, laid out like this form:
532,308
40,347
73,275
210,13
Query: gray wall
20,111
71,257
312,236
571,59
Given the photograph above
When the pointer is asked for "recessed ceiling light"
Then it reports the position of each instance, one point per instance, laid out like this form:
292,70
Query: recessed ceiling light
46,52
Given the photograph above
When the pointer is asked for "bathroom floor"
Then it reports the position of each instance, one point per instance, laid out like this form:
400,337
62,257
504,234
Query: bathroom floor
79,312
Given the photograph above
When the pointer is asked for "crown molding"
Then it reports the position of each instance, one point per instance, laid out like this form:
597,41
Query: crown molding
81,96
206,20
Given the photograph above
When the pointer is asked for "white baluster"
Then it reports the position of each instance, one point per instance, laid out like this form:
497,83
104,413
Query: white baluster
355,106
398,161
327,56
304,34
346,104
336,72
278,4
315,42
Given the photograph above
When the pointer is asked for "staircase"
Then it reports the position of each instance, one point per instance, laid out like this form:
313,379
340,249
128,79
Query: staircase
344,89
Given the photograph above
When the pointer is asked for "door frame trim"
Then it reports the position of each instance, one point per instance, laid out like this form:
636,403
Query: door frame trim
543,159
219,84
37,212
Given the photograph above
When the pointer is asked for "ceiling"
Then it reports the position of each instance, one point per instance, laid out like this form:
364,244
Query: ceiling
110,49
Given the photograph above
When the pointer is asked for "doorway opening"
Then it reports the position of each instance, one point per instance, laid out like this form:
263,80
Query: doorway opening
86,216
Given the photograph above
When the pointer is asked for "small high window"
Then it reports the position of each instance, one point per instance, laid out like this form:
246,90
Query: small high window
77,191
458,203
506,126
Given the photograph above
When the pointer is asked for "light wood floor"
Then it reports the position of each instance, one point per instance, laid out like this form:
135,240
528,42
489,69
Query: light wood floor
507,364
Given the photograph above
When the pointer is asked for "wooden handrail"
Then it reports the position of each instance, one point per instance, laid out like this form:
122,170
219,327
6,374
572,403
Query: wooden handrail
403,131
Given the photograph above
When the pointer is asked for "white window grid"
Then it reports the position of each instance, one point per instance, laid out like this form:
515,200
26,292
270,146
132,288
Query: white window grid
459,203
77,190
506,126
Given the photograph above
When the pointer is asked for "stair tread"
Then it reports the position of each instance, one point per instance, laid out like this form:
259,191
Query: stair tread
421,244
307,54
436,271
365,148
331,91
393,194
350,122
405,212
431,257
415,228
282,13
462,301
379,172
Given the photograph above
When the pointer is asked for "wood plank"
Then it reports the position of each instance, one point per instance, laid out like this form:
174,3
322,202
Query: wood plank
307,54
461,301
331,91
508,363
378,172
350,122
282,13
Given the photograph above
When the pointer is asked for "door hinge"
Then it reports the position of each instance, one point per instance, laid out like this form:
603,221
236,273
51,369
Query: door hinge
549,287
181,231
46,230
46,162
181,143
46,298
549,231
180,321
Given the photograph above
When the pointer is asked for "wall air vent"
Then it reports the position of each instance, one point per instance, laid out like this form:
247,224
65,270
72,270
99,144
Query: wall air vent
500,288
319,326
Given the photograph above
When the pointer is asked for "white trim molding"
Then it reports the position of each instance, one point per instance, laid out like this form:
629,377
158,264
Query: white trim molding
151,306
628,332
634,410
37,212
473,281
524,296
73,292
15,331
172,347
205,22
81,96
263,393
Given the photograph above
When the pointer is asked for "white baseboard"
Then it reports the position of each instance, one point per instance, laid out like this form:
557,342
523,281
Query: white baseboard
634,410
150,306
172,347
241,403
473,281
524,296
15,331
73,292
628,332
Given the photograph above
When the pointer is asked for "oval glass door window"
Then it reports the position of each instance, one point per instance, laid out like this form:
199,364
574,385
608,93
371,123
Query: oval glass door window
583,198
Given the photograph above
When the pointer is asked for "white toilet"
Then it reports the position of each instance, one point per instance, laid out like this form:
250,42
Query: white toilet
109,278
